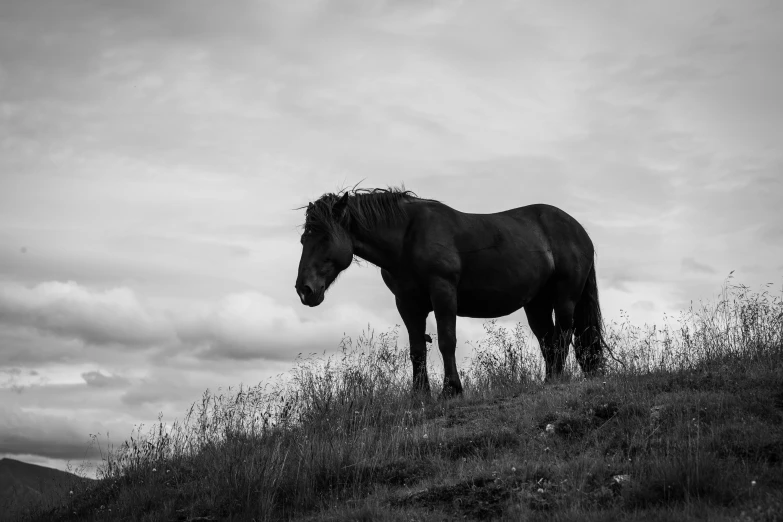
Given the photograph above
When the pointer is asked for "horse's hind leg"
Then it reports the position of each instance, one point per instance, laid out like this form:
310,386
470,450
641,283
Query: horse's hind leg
554,339
564,331
539,317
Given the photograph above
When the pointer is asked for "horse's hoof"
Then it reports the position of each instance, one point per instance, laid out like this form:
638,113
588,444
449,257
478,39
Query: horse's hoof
451,392
421,389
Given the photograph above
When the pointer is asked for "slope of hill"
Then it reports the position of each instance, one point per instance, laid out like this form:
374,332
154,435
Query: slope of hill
23,484
684,425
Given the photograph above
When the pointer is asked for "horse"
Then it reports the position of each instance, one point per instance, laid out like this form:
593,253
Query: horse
435,258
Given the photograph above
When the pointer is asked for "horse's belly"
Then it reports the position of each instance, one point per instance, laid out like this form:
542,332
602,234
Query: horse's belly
486,304
494,287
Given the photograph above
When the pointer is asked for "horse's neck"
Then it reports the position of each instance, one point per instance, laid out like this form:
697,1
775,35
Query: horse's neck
380,246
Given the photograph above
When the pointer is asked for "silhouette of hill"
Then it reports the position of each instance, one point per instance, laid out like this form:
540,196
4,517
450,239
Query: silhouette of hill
23,484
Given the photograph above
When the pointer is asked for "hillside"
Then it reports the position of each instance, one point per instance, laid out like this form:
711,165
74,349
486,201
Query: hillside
29,484
686,424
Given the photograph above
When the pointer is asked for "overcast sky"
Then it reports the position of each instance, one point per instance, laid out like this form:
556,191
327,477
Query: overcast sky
152,153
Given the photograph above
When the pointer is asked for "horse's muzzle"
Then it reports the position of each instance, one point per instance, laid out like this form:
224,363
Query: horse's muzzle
310,297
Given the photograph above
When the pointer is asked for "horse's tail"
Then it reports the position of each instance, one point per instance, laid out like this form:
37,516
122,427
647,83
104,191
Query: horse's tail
588,328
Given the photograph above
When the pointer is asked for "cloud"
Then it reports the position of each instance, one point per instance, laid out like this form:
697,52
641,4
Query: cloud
26,347
691,265
108,323
99,380
251,325
159,390
55,436
67,310
241,326
15,379
644,305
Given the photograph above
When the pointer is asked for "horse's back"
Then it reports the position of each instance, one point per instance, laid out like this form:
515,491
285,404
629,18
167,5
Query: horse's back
513,232
564,234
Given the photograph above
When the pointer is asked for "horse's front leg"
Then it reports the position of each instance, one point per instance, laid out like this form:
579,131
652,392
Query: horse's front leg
443,295
415,318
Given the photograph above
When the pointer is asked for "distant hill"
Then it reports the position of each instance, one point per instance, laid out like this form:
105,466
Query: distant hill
23,484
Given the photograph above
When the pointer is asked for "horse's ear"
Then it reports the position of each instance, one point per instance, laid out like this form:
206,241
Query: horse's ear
341,207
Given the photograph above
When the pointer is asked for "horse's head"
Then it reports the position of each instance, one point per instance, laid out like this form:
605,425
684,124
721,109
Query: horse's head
327,248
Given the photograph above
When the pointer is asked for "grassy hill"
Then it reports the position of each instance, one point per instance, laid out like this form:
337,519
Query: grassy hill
26,486
686,424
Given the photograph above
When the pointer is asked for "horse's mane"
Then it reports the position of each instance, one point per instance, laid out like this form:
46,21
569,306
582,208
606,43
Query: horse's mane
367,208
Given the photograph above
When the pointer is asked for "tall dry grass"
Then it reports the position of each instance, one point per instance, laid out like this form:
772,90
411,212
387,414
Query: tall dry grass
740,327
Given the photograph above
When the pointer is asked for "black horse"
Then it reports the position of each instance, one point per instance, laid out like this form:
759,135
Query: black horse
433,257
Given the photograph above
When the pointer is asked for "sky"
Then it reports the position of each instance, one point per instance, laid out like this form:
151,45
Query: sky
153,155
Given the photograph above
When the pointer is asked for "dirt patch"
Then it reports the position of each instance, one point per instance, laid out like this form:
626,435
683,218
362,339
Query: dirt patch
402,472
487,497
573,424
480,445
605,410
481,499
